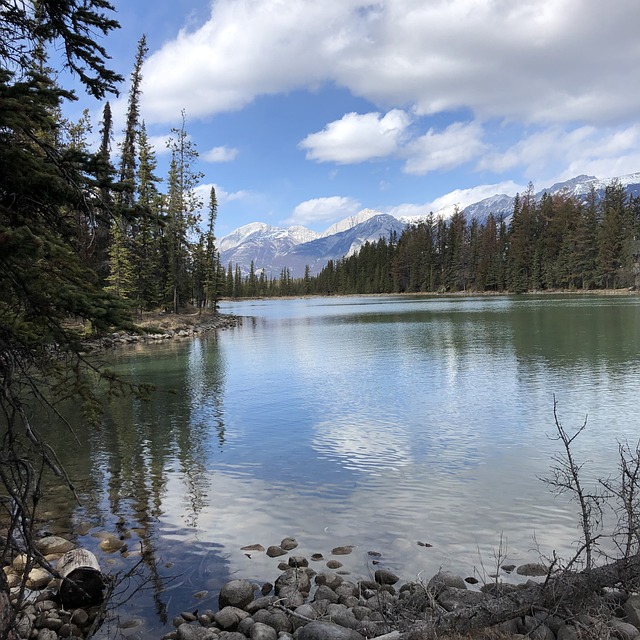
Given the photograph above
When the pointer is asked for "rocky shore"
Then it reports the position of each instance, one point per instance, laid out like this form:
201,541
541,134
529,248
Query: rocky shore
305,604
174,328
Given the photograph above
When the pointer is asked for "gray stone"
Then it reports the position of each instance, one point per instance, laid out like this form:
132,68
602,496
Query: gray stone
38,578
80,617
325,593
453,598
231,635
260,603
444,579
298,561
288,544
229,617
624,630
632,610
342,551
534,629
260,631
188,631
532,569
341,615
274,551
347,589
291,597
383,576
279,621
297,578
237,593
327,631
567,632
53,544
330,579
47,634
334,564
349,601
245,626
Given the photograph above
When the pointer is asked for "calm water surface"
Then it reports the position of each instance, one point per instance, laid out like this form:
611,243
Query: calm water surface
376,422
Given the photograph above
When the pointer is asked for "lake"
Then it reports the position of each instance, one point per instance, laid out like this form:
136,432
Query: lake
377,422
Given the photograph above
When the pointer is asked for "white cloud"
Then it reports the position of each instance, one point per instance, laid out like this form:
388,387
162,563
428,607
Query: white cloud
457,144
532,60
159,144
553,153
324,210
357,137
203,191
219,154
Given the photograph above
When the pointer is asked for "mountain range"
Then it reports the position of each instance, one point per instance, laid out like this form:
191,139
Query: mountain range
273,249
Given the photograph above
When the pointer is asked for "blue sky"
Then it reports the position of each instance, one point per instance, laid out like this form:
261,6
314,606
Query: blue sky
306,111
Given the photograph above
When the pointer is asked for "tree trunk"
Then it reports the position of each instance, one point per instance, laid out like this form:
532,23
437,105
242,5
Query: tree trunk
7,614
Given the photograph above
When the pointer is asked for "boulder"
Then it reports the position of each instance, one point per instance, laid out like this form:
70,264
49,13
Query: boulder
632,610
383,576
444,579
237,593
532,569
261,631
274,551
38,578
53,544
288,544
326,631
296,578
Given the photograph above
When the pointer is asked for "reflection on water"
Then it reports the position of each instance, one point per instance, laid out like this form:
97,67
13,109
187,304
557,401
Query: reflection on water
376,422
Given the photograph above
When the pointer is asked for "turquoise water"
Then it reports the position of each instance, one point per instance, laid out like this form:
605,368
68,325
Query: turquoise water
376,422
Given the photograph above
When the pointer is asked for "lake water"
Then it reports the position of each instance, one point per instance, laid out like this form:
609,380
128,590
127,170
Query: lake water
377,422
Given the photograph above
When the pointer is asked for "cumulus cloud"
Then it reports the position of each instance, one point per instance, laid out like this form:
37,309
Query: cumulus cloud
324,210
223,196
532,60
559,154
220,154
457,144
357,137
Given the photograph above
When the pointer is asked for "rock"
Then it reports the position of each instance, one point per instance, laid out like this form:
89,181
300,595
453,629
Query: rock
508,568
130,623
53,544
291,597
567,632
317,557
342,551
231,635
259,603
298,561
80,617
296,578
237,593
38,578
347,589
111,544
252,547
266,588
532,569
188,631
188,616
471,580
330,579
446,579
534,629
20,562
261,631
229,617
327,631
274,552
383,576
47,634
288,544
334,564
632,610
323,592
279,621
452,598
12,576
200,595
245,626
342,615
624,630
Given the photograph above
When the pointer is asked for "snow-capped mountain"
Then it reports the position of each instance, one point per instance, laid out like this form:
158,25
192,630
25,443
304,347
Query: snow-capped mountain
274,248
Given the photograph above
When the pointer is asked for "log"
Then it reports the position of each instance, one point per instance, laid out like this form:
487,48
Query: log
82,581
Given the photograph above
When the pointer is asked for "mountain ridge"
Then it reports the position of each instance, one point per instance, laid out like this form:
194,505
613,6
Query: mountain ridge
272,248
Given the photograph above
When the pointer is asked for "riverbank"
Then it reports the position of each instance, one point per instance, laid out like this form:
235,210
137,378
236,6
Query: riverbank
313,599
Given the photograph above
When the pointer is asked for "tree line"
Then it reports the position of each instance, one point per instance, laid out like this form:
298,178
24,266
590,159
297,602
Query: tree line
556,242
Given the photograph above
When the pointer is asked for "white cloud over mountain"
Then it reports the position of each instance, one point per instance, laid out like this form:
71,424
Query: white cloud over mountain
323,210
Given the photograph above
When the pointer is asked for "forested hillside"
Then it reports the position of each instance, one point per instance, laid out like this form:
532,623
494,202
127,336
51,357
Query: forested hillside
556,242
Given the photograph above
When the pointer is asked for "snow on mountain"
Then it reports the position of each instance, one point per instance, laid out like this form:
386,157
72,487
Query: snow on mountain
350,222
274,248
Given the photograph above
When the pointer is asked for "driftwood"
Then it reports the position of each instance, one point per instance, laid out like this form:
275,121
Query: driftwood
566,591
